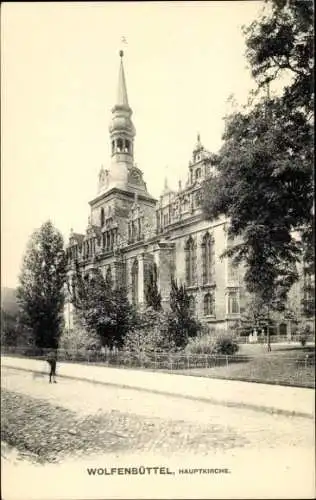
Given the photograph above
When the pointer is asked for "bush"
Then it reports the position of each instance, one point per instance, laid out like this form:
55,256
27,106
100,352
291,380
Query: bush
220,345
150,335
78,340
225,345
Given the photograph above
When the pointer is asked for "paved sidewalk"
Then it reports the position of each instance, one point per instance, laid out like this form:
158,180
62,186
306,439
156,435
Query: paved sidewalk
271,398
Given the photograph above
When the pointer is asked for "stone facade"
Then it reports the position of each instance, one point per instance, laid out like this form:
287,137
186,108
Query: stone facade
129,230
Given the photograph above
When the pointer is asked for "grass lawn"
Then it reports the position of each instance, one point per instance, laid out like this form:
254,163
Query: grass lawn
284,365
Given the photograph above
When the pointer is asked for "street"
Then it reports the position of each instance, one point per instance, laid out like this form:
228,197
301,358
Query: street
170,432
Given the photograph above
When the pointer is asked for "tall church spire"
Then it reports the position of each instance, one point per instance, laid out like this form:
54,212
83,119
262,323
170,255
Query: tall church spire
121,99
122,130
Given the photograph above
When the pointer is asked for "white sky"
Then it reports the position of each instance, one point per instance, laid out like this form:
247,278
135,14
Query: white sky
59,74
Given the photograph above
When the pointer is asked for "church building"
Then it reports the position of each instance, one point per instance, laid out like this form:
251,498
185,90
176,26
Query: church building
129,230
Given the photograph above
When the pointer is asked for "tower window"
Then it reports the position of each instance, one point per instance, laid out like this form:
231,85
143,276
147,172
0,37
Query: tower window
197,173
113,146
119,145
127,146
102,217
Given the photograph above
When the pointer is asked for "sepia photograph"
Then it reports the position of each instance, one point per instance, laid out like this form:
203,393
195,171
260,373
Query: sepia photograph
157,250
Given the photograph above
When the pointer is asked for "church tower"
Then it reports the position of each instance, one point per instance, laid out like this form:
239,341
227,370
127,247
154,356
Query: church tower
122,133
122,173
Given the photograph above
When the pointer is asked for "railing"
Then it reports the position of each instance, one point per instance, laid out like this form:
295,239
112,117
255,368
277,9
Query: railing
274,339
157,360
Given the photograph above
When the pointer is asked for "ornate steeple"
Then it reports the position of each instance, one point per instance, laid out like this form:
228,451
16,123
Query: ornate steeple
122,130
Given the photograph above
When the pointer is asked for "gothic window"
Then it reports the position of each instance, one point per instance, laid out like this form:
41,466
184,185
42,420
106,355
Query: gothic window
233,303
208,258
209,304
119,145
102,219
190,251
192,305
135,282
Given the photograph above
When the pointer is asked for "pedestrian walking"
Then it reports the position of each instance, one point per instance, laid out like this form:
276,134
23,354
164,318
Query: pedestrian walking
52,361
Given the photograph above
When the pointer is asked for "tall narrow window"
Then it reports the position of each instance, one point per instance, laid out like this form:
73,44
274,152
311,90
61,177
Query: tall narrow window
127,146
190,254
209,304
135,282
208,258
233,303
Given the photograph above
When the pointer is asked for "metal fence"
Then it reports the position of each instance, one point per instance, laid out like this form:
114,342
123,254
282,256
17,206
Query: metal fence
157,360
274,339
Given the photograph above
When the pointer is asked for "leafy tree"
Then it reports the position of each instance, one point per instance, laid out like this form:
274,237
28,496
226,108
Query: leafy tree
152,295
264,180
123,315
182,325
40,294
281,43
9,334
103,309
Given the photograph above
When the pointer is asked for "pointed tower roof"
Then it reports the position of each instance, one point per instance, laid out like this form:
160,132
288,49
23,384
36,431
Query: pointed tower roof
121,98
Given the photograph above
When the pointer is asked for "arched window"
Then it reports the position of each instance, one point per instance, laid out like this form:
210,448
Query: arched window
135,282
119,145
208,258
192,305
102,217
127,146
190,258
209,304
